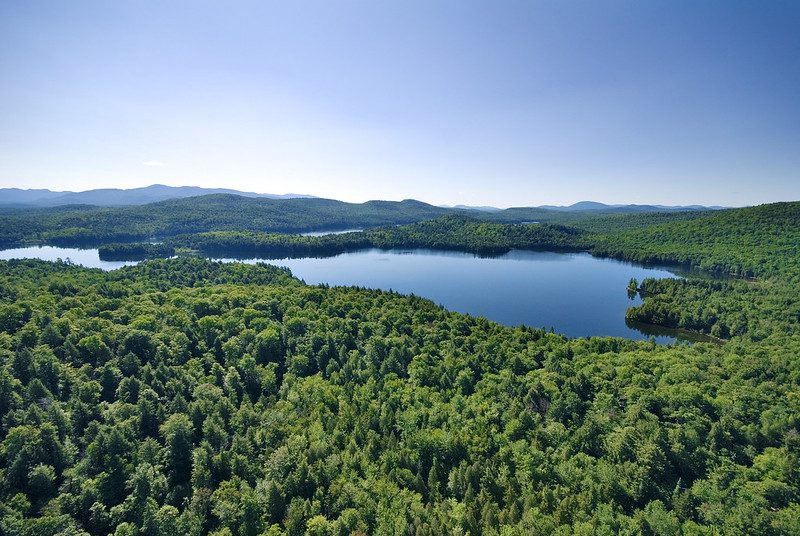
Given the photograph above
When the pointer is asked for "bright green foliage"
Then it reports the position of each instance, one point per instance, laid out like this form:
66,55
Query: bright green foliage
745,242
192,397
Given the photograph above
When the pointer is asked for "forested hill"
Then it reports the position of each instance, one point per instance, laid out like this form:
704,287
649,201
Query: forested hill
749,242
77,225
760,244
91,225
187,397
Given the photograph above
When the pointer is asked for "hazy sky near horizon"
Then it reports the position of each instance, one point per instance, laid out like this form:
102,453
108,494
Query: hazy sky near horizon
496,103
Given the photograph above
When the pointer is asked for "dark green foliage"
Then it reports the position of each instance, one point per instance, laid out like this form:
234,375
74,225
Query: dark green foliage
134,251
467,234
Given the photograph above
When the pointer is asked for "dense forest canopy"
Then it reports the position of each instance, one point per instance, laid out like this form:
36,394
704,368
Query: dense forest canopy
185,396
459,233
748,242
221,212
83,225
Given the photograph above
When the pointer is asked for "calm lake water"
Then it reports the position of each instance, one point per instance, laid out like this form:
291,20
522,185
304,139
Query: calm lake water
325,233
85,257
574,293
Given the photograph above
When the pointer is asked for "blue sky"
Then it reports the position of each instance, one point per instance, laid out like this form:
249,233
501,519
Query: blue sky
501,103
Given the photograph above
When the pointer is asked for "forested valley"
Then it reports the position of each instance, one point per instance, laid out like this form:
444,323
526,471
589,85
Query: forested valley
185,396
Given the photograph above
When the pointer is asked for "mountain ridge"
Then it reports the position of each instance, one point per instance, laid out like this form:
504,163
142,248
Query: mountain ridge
595,205
120,196
154,193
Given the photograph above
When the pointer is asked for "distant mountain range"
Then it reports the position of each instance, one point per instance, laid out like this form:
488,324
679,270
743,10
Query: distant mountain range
594,205
118,197
110,197
471,207
583,206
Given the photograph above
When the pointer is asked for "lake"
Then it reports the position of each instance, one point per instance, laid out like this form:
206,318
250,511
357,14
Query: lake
326,233
574,293
85,257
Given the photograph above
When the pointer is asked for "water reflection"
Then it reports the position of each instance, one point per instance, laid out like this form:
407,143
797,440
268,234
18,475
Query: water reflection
651,330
